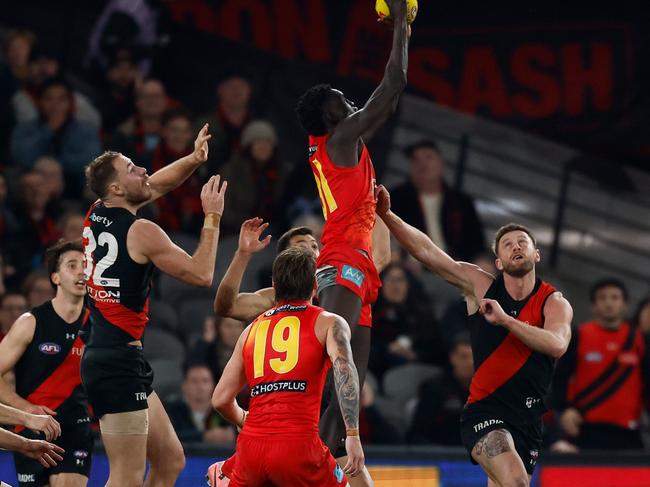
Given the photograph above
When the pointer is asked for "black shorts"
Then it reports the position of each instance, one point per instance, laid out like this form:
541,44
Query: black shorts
117,379
527,438
77,441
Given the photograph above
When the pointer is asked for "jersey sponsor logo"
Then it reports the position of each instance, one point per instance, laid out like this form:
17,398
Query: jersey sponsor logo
85,419
484,424
49,348
628,358
77,351
101,219
27,477
531,401
286,308
338,474
353,275
279,386
140,396
312,150
594,357
80,454
103,295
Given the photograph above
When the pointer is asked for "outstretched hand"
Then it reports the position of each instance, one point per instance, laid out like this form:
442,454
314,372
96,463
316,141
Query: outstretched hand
383,200
249,236
201,144
46,453
212,196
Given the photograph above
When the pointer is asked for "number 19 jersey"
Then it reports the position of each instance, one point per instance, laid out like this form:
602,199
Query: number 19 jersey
285,367
117,286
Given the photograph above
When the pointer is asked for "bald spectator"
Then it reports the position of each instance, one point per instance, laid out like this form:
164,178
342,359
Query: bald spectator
139,136
426,201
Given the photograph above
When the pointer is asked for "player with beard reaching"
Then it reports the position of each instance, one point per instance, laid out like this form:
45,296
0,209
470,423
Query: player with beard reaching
121,251
519,325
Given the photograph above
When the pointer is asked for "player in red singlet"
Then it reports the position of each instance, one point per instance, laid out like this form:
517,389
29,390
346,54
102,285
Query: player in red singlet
338,133
284,356
519,325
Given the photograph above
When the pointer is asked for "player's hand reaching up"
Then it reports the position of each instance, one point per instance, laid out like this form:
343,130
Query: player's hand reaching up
383,200
45,423
249,236
356,459
492,311
201,145
212,196
46,453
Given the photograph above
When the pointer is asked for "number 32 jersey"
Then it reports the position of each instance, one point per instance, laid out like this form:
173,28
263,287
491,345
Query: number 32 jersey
285,367
117,286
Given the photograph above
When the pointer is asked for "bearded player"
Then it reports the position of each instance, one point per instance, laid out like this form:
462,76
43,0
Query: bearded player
338,132
519,325
284,356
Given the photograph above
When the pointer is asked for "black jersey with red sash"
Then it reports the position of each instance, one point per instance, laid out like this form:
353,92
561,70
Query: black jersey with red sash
47,373
118,287
509,377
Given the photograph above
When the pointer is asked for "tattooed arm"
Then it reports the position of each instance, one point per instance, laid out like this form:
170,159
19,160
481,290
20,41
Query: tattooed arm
346,382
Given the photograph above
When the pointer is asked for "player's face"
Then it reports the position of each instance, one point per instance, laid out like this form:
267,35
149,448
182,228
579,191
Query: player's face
305,242
133,180
609,304
337,107
517,254
70,276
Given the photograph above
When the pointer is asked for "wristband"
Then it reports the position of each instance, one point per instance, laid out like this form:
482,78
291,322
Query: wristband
352,432
211,220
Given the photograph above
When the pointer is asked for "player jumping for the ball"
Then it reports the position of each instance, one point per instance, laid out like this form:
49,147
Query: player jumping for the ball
338,132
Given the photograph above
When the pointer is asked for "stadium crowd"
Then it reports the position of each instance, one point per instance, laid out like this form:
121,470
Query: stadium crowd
53,123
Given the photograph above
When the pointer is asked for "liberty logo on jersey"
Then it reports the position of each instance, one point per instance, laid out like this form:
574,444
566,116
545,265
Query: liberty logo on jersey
49,348
351,274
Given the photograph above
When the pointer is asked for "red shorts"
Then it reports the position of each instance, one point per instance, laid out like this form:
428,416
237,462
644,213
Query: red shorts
354,270
289,462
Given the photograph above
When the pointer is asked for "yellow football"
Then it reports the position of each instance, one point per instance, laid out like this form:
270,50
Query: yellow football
384,11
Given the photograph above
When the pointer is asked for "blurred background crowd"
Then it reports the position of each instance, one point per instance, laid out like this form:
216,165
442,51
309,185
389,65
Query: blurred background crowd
59,110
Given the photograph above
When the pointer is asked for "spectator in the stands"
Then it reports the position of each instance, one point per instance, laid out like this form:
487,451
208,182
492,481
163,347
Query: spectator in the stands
404,329
454,319
599,382
373,427
38,289
57,133
181,209
427,202
116,91
215,347
44,65
37,229
227,121
441,400
255,178
193,417
52,173
12,305
8,220
71,224
139,135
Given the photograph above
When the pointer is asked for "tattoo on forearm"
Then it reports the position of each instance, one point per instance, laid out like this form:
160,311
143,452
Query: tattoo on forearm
346,379
493,444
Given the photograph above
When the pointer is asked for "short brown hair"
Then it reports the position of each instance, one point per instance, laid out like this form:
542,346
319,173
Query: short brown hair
284,240
54,253
101,172
294,271
510,227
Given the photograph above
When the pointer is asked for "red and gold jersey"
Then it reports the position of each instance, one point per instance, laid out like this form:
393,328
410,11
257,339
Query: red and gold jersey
347,197
285,367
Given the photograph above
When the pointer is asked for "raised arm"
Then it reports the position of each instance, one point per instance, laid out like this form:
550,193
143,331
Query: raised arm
228,300
472,281
553,339
346,383
231,382
173,175
13,408
147,242
383,101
